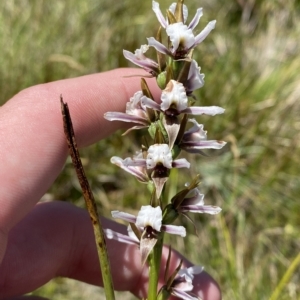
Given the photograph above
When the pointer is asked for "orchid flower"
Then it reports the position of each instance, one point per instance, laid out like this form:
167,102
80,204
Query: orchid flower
131,167
149,223
180,35
158,162
195,139
194,202
174,101
135,113
149,216
183,283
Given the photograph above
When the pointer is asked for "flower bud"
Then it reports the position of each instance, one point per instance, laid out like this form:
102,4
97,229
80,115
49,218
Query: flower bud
162,80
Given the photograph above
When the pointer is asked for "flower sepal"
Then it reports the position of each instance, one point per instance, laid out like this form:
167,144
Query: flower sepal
170,214
163,294
179,197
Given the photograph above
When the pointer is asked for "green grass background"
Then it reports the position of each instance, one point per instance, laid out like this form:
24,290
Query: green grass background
251,62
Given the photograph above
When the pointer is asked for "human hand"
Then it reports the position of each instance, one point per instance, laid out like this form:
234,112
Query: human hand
41,241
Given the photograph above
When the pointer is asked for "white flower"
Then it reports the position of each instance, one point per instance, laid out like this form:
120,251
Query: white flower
159,154
183,283
182,286
134,166
174,102
155,166
135,113
195,139
181,35
149,216
174,97
149,223
194,202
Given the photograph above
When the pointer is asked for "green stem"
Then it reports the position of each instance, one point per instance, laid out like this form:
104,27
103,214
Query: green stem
154,268
286,277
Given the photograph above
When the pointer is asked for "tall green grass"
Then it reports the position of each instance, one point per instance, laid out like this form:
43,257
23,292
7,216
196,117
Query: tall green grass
251,62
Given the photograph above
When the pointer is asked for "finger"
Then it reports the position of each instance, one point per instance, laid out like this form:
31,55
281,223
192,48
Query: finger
56,239
33,147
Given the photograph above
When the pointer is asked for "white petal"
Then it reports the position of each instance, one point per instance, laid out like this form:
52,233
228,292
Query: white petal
134,162
182,295
159,15
173,229
195,78
122,238
159,153
180,35
158,46
194,197
195,133
119,116
141,60
204,209
147,102
133,107
149,216
182,285
196,19
188,273
174,96
116,214
204,110
205,32
181,163
210,144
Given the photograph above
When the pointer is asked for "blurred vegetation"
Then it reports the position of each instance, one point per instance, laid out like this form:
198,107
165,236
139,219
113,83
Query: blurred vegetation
251,62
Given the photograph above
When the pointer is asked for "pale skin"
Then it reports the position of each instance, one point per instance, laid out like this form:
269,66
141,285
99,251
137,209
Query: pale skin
41,241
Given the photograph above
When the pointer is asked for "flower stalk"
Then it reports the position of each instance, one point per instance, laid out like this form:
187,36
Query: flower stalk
154,268
172,130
